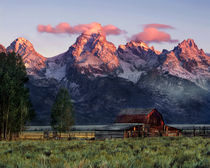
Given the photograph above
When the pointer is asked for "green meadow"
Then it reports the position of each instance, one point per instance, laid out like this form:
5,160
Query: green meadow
158,152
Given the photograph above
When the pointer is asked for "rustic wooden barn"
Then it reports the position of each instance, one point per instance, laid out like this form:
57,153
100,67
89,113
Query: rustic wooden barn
150,123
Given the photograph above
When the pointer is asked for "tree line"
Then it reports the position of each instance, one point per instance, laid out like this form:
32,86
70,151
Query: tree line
15,107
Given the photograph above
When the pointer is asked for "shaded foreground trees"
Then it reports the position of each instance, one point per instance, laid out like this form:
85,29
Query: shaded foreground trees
62,114
15,106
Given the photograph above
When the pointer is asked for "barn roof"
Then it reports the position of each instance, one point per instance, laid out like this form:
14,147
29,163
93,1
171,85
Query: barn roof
136,111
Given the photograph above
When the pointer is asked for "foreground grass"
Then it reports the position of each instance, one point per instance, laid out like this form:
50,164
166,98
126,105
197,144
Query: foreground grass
123,153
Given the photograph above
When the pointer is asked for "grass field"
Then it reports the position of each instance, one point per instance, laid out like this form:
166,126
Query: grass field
122,153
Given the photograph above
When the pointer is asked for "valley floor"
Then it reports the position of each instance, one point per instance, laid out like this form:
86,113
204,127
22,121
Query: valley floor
160,152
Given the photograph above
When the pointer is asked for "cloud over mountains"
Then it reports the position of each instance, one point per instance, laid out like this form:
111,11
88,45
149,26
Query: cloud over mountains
151,32
80,28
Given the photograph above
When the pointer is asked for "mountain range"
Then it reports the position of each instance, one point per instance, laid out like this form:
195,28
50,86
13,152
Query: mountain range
103,79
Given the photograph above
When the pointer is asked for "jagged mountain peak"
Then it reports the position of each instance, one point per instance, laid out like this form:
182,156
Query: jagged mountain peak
93,53
187,61
23,40
137,46
190,50
2,48
33,60
189,41
96,35
133,44
188,44
93,41
137,49
20,45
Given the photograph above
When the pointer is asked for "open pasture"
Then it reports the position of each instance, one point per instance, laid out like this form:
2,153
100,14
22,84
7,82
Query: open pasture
148,152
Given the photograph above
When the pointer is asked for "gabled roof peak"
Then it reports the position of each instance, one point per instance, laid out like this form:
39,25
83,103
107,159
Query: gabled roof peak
136,111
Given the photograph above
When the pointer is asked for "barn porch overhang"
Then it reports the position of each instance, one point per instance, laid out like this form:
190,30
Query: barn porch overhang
111,127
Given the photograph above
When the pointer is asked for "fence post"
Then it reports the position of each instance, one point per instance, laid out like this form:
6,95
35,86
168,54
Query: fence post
204,131
193,131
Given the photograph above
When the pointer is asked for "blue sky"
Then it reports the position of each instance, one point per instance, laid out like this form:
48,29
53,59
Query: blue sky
19,18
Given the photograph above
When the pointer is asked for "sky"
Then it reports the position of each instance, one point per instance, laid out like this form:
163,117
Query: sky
161,23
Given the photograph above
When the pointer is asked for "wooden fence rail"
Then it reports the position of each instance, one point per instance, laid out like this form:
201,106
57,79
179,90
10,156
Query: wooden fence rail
50,135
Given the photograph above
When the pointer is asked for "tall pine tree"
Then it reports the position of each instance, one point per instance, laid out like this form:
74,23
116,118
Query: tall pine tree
15,106
62,114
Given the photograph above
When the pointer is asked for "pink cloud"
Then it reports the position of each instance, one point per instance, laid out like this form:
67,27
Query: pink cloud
152,33
80,28
47,28
158,26
113,30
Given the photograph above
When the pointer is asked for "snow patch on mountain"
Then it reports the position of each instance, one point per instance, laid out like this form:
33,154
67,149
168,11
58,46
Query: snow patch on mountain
135,58
129,72
173,66
57,73
56,67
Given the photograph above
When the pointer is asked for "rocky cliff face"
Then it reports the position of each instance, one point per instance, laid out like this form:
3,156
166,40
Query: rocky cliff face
102,80
135,59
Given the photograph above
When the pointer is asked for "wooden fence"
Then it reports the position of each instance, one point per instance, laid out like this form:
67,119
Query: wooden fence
50,135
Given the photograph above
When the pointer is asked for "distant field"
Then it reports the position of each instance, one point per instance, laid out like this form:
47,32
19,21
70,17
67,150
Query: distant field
155,152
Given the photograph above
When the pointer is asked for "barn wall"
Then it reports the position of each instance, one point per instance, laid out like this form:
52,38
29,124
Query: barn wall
155,119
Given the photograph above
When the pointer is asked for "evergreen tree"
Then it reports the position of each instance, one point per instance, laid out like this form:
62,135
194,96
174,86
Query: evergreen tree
62,114
15,106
